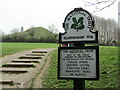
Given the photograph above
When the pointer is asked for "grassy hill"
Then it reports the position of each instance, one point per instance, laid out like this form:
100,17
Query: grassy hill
36,34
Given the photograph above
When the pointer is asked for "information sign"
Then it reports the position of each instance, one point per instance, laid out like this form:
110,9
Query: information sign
79,27
82,62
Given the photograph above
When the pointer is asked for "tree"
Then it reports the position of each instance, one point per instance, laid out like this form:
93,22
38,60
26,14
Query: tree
99,4
14,31
108,31
21,37
52,28
1,35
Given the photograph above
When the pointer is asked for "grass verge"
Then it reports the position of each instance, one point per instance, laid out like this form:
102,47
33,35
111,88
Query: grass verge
32,83
108,71
51,80
10,48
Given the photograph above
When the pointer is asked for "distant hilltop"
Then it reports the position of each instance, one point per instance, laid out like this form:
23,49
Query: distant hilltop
34,34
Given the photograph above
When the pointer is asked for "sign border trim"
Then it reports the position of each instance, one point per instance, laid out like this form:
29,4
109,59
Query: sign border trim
84,47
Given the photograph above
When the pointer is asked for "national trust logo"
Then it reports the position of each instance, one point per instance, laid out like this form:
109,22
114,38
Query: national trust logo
77,24
78,20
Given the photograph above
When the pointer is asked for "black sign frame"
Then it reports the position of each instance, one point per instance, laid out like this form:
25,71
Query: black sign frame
91,41
84,47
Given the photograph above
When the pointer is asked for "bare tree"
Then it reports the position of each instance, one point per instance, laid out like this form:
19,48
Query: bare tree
99,4
1,35
14,31
108,31
52,28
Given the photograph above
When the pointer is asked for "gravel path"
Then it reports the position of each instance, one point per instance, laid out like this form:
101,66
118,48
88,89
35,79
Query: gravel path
23,80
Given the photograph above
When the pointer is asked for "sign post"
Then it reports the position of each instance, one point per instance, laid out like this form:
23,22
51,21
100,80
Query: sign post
79,84
77,61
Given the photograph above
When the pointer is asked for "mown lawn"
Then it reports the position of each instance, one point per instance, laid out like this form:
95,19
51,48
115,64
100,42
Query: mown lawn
108,71
10,48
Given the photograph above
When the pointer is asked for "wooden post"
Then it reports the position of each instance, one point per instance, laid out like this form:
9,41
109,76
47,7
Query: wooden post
78,84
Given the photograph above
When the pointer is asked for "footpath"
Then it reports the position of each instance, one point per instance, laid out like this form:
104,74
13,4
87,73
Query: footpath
20,70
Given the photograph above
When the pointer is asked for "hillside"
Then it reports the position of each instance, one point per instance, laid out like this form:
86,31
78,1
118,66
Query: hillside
36,34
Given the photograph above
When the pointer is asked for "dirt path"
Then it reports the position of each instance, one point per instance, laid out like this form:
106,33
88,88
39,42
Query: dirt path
40,77
24,80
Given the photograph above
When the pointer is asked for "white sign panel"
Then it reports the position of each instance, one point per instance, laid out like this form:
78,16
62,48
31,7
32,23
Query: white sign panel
78,26
79,63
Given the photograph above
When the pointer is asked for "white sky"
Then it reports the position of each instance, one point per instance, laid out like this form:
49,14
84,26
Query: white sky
27,13
119,14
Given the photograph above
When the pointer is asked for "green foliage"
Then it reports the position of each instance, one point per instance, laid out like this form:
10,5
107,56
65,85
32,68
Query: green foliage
10,48
37,34
108,71
11,83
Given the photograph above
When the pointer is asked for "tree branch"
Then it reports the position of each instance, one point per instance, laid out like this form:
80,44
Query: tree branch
98,2
105,7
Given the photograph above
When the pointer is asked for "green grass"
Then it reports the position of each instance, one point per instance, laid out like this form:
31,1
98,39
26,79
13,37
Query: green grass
108,71
108,65
51,80
10,48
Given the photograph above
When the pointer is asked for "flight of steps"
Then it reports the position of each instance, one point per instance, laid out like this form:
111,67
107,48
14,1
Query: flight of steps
21,65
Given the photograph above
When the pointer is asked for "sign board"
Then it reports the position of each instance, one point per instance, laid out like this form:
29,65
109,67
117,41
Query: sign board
82,62
79,27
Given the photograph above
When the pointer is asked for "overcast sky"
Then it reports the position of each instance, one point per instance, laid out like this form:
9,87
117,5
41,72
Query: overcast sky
119,14
27,13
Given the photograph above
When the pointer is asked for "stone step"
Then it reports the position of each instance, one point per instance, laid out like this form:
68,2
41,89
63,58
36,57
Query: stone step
10,82
35,54
18,65
13,70
30,57
26,60
38,51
